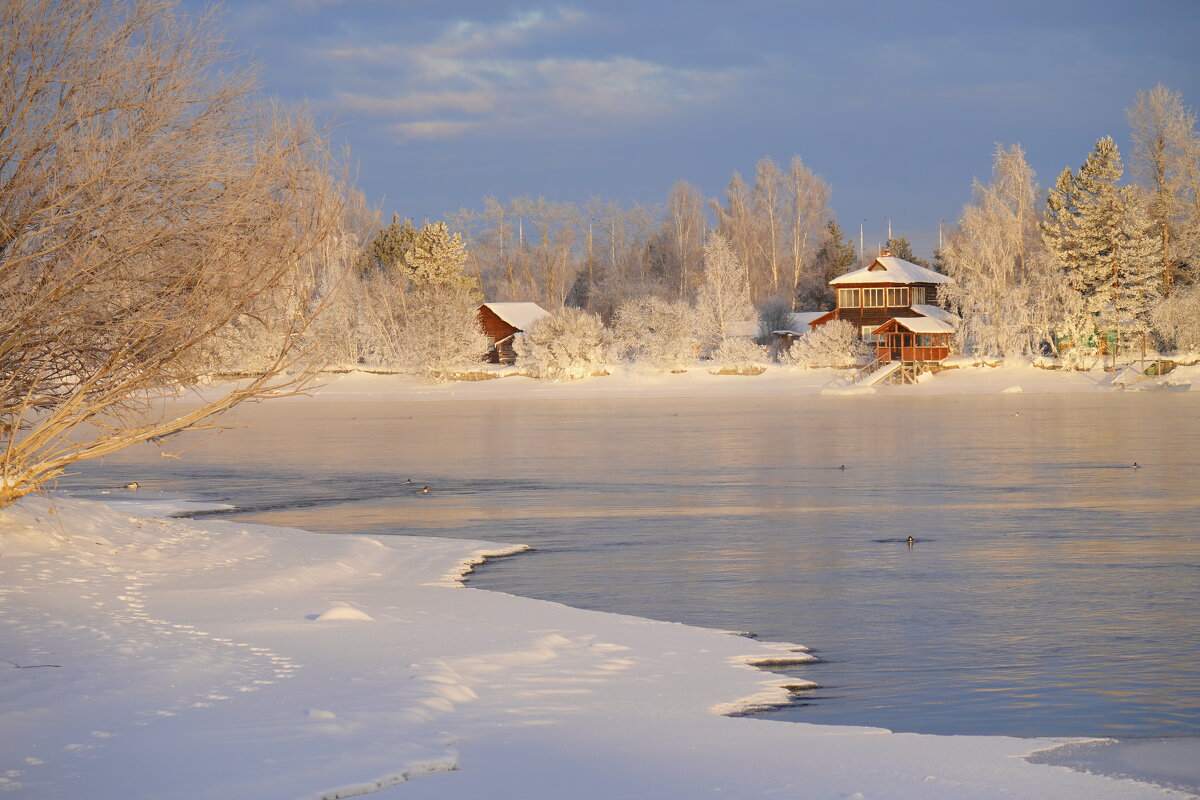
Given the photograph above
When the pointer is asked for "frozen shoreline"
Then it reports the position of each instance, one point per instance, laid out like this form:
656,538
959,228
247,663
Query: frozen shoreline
198,660
698,382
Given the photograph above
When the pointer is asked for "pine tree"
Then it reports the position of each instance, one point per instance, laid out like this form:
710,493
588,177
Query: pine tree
836,256
386,252
437,258
900,248
1060,229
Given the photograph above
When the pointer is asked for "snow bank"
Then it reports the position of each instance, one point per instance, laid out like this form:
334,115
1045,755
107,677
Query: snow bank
162,658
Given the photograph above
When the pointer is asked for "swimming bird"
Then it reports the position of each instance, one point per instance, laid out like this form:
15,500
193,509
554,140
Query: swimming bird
1136,465
409,480
843,466
133,485
422,490
910,541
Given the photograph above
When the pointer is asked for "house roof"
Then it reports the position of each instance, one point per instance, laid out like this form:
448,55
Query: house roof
800,322
889,269
519,315
936,312
920,325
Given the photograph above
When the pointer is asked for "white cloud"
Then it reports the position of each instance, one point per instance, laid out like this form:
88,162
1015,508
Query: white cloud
502,78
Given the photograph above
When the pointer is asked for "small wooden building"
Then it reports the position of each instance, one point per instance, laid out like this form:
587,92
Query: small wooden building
913,340
503,321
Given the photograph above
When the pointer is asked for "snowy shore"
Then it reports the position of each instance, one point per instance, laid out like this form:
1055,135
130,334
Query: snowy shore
966,378
162,658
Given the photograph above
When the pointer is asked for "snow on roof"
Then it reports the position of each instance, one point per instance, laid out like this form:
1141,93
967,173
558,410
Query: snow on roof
800,322
922,325
936,312
889,269
519,315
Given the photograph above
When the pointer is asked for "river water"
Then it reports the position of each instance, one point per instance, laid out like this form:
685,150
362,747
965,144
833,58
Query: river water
1051,589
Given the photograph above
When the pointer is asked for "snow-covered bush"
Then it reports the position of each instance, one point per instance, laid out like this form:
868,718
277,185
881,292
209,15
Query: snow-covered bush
739,355
568,345
834,344
655,332
1177,319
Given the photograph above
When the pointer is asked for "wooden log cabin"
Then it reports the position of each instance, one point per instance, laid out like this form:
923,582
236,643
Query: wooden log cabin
894,305
503,321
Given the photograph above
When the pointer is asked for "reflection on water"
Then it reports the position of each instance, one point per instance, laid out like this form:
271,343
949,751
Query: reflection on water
1051,589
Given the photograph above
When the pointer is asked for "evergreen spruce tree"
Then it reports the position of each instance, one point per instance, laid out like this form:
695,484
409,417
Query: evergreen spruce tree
1139,283
1100,211
1060,229
837,255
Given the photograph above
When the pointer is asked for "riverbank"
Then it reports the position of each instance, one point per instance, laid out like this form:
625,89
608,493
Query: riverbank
963,378
162,658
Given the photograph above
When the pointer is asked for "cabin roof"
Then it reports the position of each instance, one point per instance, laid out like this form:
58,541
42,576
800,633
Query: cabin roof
800,322
919,325
519,315
936,312
889,269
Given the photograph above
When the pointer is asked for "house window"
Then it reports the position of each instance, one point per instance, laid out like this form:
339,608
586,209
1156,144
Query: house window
868,336
847,298
918,295
874,298
897,298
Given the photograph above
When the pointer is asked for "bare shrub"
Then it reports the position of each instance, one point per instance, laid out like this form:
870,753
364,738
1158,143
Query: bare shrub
150,207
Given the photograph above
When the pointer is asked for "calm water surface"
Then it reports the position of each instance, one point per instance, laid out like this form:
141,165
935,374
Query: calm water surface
1052,590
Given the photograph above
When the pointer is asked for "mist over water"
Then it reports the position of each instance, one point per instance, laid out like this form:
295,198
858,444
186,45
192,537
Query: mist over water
1051,589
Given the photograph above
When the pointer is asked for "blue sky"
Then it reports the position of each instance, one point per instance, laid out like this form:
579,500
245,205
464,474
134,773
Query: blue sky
898,105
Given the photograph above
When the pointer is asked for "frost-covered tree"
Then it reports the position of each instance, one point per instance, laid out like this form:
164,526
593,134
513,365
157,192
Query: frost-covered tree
1176,319
567,345
836,256
150,202
834,344
724,298
1139,284
655,332
1006,288
1166,162
808,210
386,251
1101,235
436,257
424,315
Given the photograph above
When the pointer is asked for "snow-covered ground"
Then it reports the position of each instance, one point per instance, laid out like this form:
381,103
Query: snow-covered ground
965,378
161,658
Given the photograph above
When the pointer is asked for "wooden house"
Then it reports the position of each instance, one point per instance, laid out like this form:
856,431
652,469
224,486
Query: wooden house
503,321
888,288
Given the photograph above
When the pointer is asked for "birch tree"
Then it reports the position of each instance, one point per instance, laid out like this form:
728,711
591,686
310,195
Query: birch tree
148,201
724,299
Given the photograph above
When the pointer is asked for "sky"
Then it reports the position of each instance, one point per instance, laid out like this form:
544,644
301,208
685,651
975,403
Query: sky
898,105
